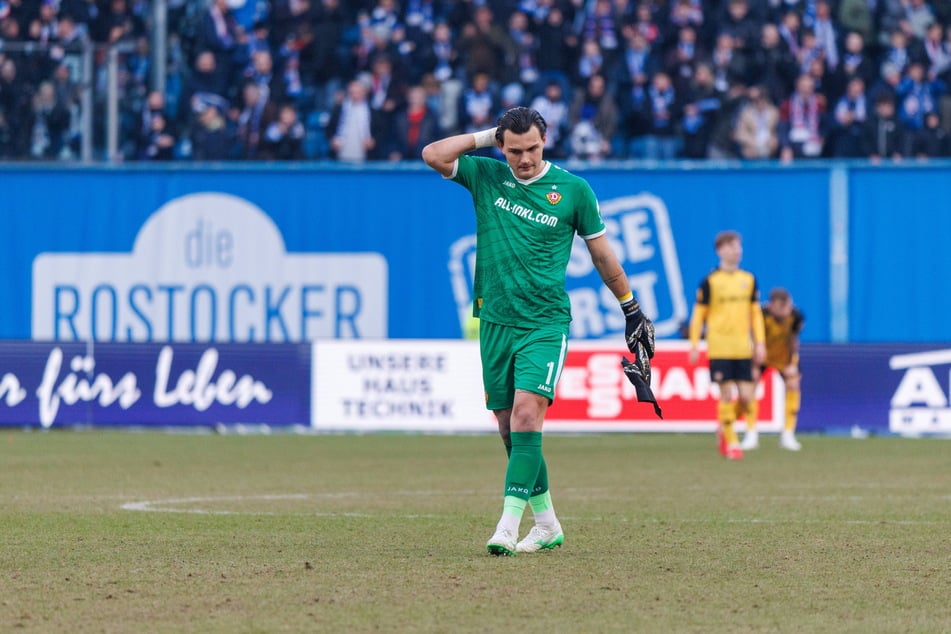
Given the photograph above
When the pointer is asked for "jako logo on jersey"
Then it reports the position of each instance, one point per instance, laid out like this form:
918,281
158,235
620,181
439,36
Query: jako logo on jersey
544,388
509,184
553,197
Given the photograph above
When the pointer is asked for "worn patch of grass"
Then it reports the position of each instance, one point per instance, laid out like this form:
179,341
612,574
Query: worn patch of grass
386,533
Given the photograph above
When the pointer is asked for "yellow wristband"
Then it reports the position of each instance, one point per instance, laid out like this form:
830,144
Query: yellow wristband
626,298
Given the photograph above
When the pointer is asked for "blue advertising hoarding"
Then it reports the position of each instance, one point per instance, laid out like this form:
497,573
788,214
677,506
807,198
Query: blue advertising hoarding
43,384
189,295
430,385
296,253
877,388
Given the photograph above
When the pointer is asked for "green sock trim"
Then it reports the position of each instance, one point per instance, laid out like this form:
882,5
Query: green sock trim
513,505
540,503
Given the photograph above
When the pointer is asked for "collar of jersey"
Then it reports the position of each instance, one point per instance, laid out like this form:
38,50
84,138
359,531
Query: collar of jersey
533,178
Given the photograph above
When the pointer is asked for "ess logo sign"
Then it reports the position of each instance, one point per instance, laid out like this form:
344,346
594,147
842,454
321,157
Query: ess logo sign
594,394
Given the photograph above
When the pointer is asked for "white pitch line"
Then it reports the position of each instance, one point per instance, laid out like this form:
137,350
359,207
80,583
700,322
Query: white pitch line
159,506
173,505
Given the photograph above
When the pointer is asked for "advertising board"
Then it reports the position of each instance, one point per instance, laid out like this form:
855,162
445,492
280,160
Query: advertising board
44,384
436,386
877,388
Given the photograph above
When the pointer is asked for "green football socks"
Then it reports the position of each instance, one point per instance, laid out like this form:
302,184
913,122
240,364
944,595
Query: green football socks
541,482
522,473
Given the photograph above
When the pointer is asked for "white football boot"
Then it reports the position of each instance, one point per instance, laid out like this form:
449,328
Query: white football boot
750,441
542,538
502,543
787,441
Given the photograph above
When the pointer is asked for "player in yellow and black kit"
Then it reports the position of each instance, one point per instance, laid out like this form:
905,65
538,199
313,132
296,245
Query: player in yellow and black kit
783,322
728,307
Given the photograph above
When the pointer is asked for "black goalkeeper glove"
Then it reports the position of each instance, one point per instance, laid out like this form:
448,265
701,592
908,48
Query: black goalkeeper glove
639,374
639,336
638,328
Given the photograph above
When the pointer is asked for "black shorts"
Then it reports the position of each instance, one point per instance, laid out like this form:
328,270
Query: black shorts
731,370
779,369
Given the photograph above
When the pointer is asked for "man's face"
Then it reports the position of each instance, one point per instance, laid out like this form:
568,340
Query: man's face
780,308
730,252
523,152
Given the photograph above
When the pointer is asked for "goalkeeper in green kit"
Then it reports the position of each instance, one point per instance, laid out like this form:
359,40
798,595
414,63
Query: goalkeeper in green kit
527,214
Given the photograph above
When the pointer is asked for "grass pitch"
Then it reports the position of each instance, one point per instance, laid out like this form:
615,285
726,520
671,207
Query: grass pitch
146,532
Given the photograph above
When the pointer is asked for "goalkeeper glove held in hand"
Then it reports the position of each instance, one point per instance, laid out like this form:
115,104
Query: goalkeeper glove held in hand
637,328
639,336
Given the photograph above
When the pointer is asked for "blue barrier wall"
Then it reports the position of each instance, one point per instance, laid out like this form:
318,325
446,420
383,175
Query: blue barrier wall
899,228
290,253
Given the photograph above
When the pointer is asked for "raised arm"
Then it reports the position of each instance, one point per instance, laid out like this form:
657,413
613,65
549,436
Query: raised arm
441,155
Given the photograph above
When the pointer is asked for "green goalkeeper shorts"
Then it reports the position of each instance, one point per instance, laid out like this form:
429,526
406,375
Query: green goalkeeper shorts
513,358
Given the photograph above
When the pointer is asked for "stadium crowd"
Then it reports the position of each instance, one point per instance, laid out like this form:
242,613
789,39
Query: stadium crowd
361,80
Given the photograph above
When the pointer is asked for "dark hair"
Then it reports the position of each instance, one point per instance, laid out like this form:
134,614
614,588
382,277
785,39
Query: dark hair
726,236
519,120
779,294
885,98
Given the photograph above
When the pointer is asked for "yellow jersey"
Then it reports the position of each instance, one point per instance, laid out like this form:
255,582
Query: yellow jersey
782,338
728,306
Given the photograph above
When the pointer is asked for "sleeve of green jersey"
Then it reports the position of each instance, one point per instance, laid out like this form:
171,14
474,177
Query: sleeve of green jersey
590,224
467,169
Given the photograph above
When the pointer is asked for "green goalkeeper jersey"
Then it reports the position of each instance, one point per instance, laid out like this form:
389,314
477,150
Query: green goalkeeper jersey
524,235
